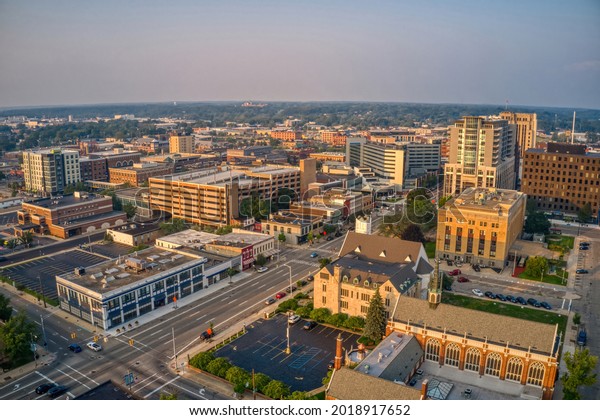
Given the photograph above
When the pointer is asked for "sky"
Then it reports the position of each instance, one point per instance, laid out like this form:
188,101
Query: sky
526,52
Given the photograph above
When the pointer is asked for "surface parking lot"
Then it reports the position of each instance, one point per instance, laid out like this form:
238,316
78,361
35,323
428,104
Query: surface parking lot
47,268
111,250
263,347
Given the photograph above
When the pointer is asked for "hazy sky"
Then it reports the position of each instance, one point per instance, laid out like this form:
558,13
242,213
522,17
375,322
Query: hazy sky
83,52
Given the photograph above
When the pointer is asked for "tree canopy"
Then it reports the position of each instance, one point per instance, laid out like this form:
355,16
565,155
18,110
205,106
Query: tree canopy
537,222
413,233
536,266
580,368
375,321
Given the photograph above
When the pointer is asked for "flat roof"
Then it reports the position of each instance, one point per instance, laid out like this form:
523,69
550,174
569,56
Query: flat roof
486,198
85,220
65,200
114,274
240,239
136,228
189,238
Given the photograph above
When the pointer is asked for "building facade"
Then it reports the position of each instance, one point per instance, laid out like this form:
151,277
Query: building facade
526,130
48,171
138,174
296,228
334,138
482,154
93,169
181,144
562,179
288,135
480,226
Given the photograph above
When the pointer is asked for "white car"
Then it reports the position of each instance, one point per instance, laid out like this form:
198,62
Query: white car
477,292
262,269
94,346
293,319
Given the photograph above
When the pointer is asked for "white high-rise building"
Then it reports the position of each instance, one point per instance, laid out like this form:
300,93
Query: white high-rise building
48,171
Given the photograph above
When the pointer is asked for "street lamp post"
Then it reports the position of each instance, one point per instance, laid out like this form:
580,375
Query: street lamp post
288,350
42,290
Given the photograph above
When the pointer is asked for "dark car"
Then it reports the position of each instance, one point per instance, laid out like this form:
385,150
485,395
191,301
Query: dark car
490,295
521,300
310,325
43,388
314,255
501,297
463,280
476,268
310,278
582,337
510,298
447,287
581,271
302,283
291,288
449,262
545,305
584,248
330,365
329,238
584,244
75,348
56,391
532,301
338,234
207,334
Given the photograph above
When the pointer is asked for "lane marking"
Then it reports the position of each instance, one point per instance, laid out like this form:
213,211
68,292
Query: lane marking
82,374
161,387
156,332
76,380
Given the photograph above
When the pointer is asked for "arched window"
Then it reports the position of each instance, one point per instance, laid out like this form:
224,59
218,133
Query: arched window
514,369
452,355
535,376
118,165
366,283
493,364
432,350
472,359
345,279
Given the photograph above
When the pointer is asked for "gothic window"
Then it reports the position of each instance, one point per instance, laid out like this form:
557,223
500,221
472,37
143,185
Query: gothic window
452,355
472,360
535,376
493,364
514,369
432,350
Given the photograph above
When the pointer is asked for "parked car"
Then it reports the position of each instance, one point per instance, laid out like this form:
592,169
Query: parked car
581,271
584,244
310,278
56,391
310,325
510,298
477,292
302,282
584,248
545,305
330,365
458,264
314,255
531,301
270,301
490,295
75,348
447,287
338,234
291,288
521,300
207,334
280,295
476,268
454,272
94,346
463,280
582,337
293,319
43,388
329,238
449,262
262,269
501,297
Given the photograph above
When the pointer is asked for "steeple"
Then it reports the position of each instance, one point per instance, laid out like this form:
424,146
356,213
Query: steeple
434,292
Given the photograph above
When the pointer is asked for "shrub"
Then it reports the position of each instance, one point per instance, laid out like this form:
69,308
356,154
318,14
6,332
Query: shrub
288,305
261,381
303,311
276,390
218,367
201,360
337,320
320,314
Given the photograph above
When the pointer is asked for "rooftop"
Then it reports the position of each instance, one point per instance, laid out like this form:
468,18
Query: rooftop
491,199
66,200
113,274
188,238
241,239
349,384
137,228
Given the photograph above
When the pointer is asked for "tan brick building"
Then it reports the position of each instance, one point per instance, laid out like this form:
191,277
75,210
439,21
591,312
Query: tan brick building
286,135
334,138
138,174
480,225
181,144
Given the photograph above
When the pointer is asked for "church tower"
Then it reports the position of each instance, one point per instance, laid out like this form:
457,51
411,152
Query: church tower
434,292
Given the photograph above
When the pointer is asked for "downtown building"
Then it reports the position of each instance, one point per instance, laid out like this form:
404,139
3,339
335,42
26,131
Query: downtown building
482,155
562,178
49,171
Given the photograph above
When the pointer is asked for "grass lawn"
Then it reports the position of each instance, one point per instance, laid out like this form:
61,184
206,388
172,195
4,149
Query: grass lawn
548,278
430,249
507,309
564,241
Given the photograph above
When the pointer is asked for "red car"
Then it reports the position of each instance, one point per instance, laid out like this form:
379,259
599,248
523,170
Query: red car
463,279
280,295
454,272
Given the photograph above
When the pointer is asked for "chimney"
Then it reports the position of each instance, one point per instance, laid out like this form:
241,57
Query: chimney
337,364
424,389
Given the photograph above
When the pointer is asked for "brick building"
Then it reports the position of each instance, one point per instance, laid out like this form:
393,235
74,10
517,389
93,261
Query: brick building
139,173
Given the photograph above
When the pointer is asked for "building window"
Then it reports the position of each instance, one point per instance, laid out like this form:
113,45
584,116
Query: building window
493,364
472,360
535,376
345,292
452,355
364,309
432,350
324,300
324,288
324,276
343,304
514,369
388,288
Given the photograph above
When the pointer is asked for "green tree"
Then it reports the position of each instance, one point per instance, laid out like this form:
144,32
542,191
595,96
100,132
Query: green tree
303,311
537,223
26,238
173,226
310,237
576,318
580,368
231,272
413,233
584,214
260,260
129,209
202,360
300,395
324,261
320,314
218,367
12,243
288,305
531,206
16,336
281,237
5,308
168,396
355,323
375,321
337,320
254,207
224,230
261,381
536,266
276,390
327,378
239,378
443,201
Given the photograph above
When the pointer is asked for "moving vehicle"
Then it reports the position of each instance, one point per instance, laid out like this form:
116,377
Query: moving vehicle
56,391
310,325
270,301
314,255
477,292
262,269
43,388
94,346
209,333
75,348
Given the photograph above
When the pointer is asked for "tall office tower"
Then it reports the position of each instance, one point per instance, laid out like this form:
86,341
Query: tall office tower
48,171
181,144
482,155
525,136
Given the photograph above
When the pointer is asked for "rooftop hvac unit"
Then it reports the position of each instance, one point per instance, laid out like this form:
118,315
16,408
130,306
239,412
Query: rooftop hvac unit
79,271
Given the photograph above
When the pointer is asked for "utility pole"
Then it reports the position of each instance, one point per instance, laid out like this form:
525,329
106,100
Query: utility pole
42,290
288,350
43,331
174,352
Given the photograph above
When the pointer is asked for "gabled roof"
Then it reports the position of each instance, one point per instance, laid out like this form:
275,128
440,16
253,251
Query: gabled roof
348,384
380,248
478,325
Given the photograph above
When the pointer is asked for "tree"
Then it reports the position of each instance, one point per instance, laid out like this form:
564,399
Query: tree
375,322
261,381
26,238
300,395
129,209
355,323
324,261
12,243
413,233
310,237
224,230
537,223
276,390
239,378
260,260
231,272
281,237
173,226
443,201
16,335
218,367
576,318
284,197
5,308
579,373
584,214
320,314
254,207
536,266
168,396
202,360
531,206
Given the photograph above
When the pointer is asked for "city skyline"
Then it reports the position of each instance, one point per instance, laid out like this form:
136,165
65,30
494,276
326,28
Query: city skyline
537,53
